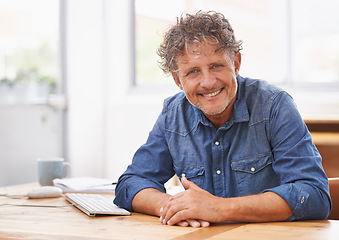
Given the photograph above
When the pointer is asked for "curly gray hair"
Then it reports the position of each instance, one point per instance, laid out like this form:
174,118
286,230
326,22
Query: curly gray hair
211,27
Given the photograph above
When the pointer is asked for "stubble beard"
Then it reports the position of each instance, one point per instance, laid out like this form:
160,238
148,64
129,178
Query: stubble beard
226,104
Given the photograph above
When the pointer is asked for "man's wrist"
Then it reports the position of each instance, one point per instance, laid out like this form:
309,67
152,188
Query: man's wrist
149,201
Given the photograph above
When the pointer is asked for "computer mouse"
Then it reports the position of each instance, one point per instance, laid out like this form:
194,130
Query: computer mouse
45,192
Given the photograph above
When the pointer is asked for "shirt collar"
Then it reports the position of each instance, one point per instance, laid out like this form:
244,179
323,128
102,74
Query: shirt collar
240,109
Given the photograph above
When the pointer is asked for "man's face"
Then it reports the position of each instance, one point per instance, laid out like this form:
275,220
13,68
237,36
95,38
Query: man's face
208,77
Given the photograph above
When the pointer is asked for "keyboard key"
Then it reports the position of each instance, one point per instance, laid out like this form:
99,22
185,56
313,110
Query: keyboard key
93,204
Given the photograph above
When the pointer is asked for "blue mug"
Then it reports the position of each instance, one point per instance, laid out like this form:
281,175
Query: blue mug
50,169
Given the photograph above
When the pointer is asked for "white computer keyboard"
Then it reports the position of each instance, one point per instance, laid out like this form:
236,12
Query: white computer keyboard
93,204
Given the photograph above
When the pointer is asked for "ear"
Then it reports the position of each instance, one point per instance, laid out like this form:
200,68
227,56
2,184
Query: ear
177,80
237,62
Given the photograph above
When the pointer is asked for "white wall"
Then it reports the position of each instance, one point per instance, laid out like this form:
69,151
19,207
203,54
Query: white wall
26,133
85,86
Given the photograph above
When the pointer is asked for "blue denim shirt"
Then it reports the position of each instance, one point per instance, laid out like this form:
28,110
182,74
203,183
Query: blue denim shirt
265,146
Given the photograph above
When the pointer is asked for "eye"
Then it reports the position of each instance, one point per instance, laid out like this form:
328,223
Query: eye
191,72
217,66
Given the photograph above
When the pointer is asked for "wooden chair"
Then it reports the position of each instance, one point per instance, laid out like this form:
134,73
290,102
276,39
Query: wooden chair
334,191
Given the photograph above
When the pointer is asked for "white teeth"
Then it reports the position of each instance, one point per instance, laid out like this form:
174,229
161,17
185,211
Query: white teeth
212,94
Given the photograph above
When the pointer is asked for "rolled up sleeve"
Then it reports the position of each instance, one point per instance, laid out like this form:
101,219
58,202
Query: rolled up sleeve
304,184
128,186
306,202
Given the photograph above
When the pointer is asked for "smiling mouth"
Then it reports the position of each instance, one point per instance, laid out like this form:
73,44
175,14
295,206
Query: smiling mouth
212,94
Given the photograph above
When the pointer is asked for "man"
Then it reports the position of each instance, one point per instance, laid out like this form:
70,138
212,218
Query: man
239,145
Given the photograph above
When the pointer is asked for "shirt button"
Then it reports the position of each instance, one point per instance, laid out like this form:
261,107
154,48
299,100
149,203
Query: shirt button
217,143
218,172
252,169
302,200
183,175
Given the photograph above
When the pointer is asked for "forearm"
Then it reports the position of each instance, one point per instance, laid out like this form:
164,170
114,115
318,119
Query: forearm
196,203
263,207
149,201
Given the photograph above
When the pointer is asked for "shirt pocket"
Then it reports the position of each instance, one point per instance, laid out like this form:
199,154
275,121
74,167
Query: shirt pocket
194,173
253,175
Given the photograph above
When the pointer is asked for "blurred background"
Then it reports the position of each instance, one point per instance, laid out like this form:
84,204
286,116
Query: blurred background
79,79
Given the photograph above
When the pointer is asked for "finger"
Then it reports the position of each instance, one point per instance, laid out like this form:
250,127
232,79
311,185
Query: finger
188,184
204,223
173,205
193,223
185,182
183,224
161,211
170,209
186,215
165,207
181,215
164,210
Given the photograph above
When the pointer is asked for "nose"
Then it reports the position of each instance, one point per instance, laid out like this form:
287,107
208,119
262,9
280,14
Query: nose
207,80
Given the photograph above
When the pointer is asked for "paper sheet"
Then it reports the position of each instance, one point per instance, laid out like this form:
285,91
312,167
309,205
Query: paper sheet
85,185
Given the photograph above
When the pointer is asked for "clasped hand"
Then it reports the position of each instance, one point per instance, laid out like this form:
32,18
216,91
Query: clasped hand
194,207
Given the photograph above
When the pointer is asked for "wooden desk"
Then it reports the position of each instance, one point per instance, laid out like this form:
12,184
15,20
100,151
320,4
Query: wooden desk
69,223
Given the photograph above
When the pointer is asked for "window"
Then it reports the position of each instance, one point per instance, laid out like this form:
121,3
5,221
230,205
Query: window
290,43
315,37
151,18
28,49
